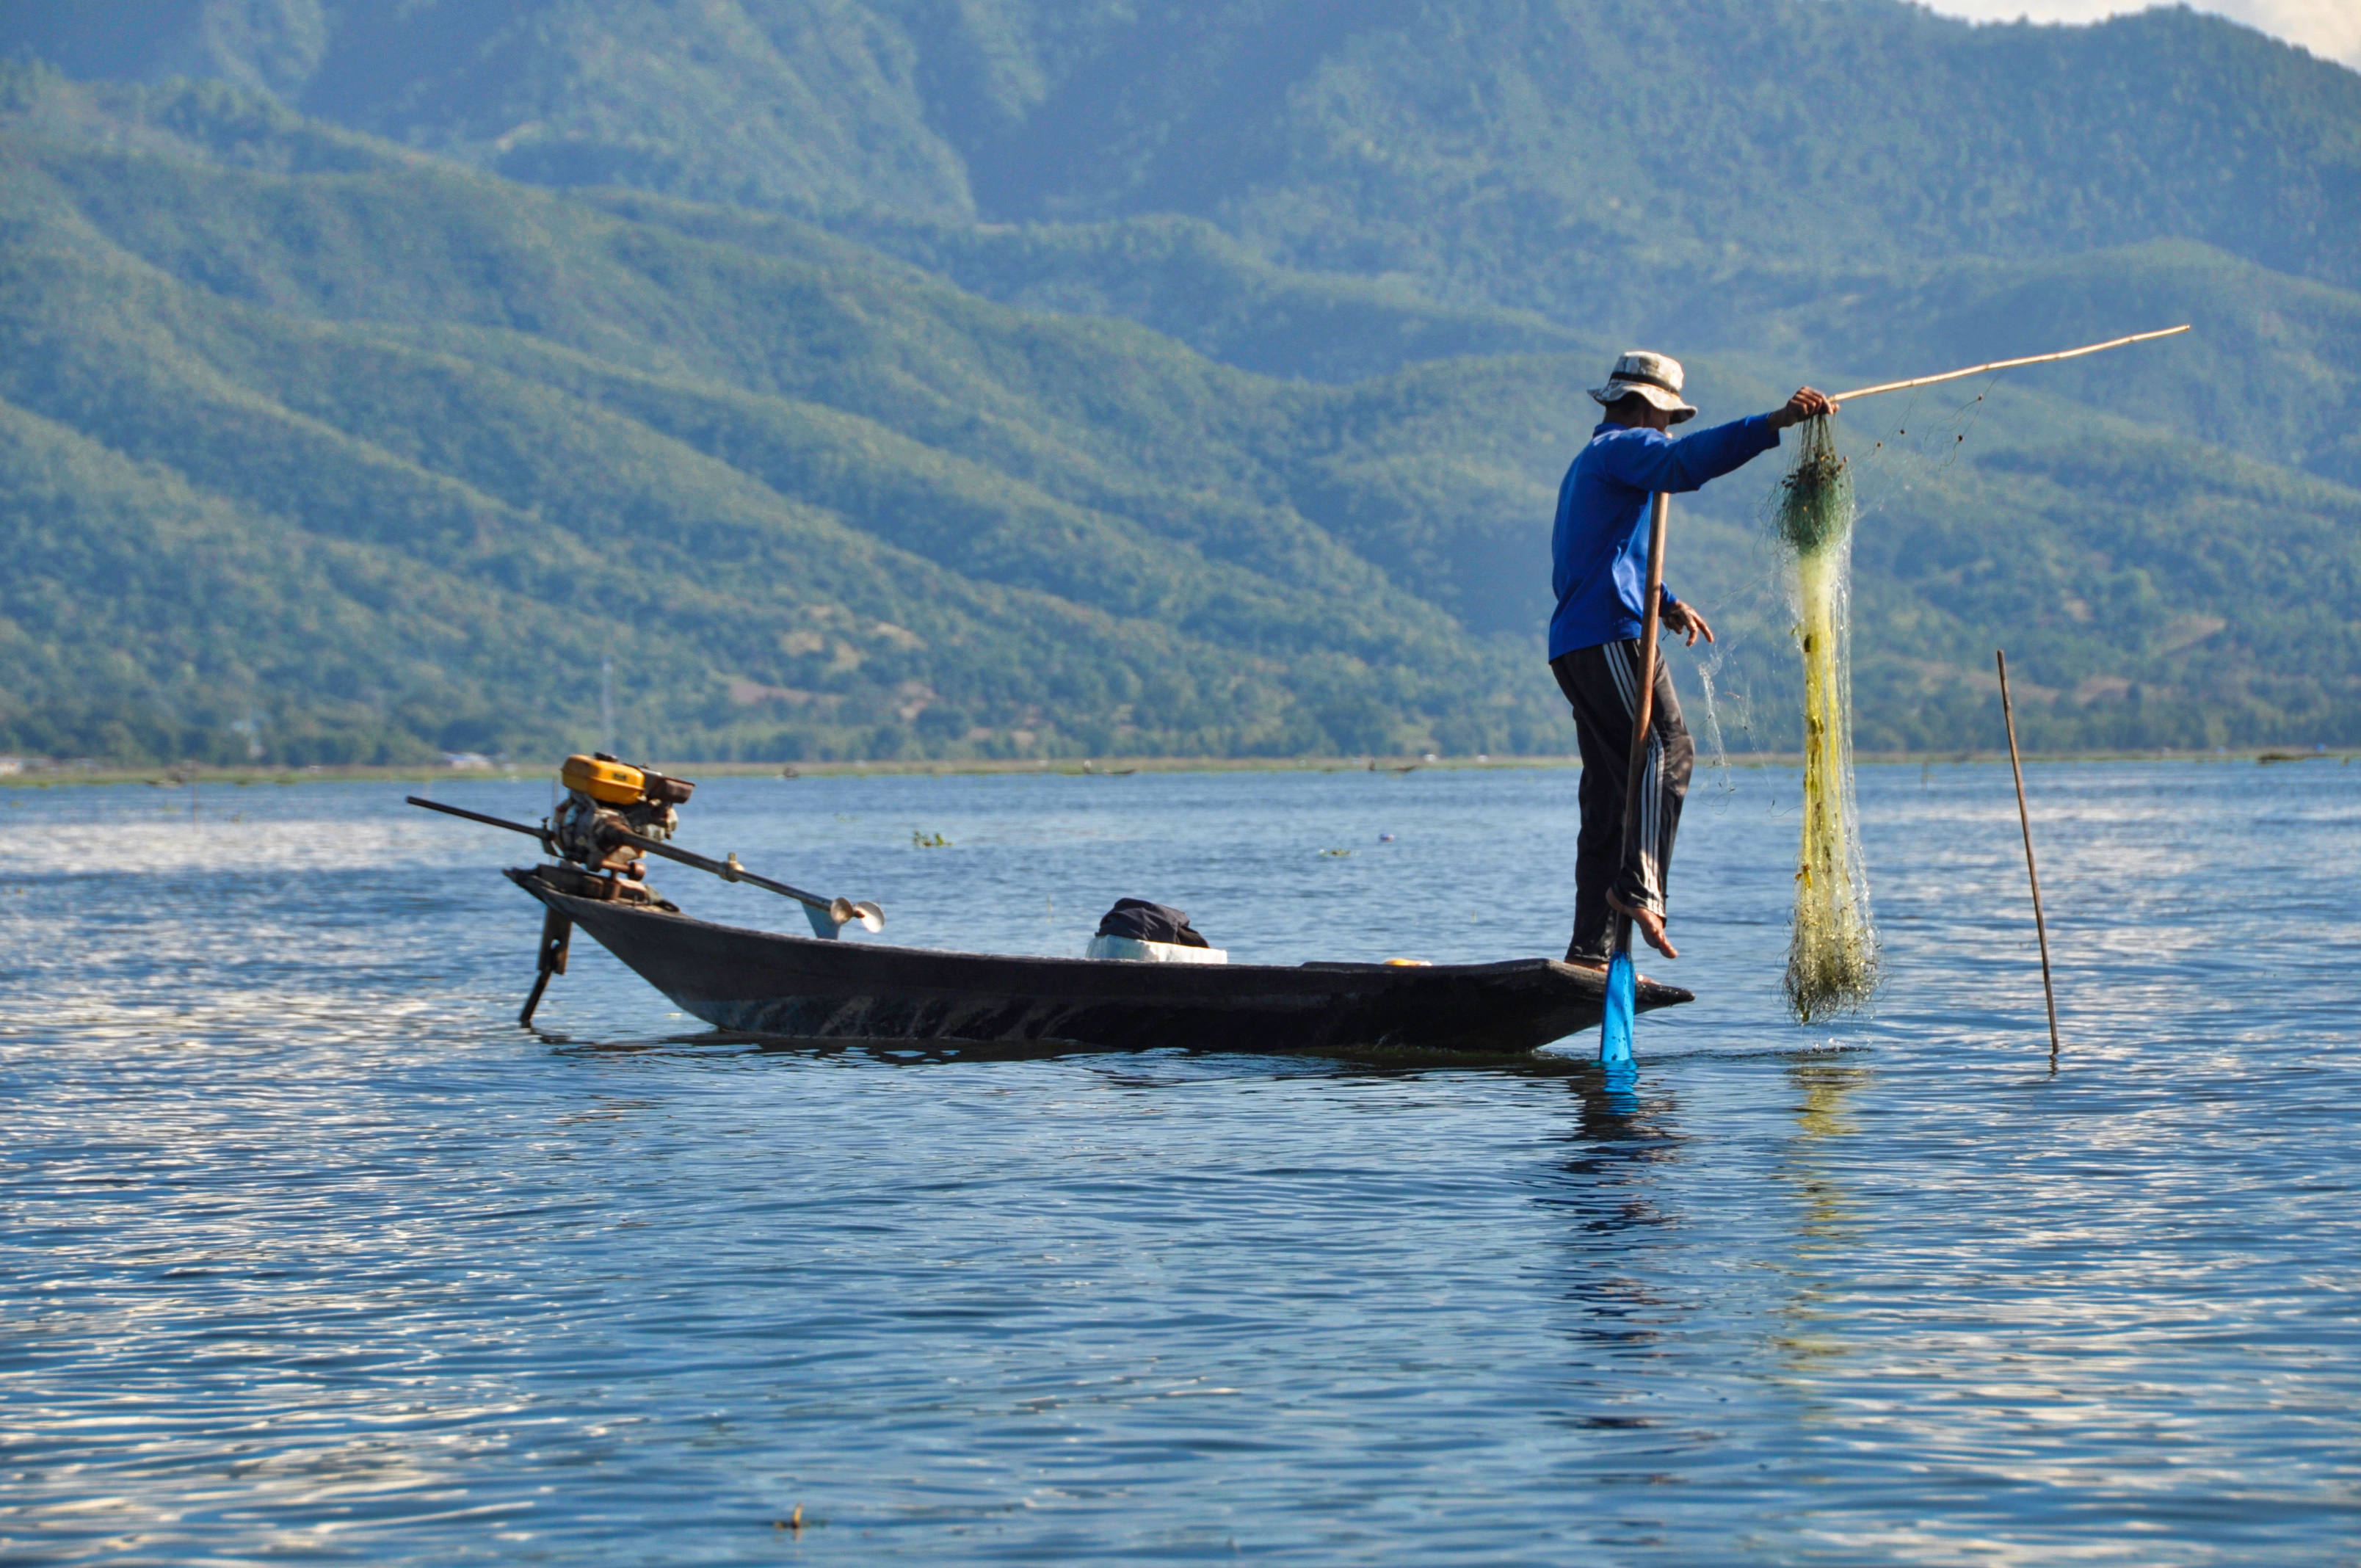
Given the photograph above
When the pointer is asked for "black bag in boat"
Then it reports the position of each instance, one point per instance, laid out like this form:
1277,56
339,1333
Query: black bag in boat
1144,922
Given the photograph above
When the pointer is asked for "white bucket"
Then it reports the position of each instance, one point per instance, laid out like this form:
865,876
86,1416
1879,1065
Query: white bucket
1152,952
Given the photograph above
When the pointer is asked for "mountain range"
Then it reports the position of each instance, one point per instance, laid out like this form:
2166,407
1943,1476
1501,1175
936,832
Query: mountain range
992,378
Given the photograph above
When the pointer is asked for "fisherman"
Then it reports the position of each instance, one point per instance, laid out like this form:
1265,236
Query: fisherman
1601,553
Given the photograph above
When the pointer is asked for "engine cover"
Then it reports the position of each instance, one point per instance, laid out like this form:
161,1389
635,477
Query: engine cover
602,793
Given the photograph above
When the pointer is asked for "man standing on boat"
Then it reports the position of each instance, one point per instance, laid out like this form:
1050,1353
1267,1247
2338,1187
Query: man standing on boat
1599,549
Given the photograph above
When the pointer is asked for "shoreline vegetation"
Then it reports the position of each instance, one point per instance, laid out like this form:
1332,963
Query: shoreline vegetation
59,777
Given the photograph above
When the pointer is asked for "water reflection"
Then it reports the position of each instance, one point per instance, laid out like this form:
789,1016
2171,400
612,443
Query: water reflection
1829,1222
1624,1133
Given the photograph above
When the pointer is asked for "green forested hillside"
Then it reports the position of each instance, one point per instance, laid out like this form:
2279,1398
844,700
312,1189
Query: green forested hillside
818,504
1183,277
1477,145
1242,438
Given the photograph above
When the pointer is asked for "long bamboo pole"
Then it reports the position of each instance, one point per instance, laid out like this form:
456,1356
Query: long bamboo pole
2009,363
1618,1001
1660,508
2025,821
1644,709
1660,511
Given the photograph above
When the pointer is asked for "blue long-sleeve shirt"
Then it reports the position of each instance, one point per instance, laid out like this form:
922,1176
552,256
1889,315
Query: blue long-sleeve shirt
1600,547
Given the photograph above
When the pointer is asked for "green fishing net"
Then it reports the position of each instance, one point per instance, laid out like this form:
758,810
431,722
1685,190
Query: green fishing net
1832,955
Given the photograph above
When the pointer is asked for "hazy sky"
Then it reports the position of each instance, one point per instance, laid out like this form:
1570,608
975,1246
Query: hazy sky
2331,29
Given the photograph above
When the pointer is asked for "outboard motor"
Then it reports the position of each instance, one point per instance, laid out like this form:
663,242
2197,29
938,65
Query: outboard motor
602,792
614,813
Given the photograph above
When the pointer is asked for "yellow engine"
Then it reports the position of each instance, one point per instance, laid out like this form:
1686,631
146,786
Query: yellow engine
605,780
602,792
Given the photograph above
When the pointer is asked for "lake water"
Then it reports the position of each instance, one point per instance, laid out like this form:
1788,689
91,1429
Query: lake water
310,1255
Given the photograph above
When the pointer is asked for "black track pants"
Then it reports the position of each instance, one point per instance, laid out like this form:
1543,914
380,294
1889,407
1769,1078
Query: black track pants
1602,684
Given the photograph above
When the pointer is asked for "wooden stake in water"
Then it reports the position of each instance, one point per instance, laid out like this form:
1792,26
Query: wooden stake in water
2025,821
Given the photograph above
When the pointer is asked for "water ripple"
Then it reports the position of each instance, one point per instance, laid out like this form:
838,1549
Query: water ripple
309,1253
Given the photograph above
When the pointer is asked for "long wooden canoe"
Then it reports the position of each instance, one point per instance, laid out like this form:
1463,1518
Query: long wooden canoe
767,983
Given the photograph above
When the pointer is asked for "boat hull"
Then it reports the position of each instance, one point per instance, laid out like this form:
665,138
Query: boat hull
763,982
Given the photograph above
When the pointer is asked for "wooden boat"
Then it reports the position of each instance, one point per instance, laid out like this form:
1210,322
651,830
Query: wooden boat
762,983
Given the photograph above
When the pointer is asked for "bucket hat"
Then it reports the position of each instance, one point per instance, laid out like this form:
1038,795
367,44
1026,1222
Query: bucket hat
1655,376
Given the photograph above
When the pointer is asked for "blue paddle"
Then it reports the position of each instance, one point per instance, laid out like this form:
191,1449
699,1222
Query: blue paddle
1622,992
1622,980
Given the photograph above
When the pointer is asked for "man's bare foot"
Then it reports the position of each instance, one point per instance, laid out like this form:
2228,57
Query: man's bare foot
1651,925
1589,963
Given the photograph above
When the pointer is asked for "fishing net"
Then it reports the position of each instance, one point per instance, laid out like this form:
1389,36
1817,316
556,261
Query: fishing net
1832,953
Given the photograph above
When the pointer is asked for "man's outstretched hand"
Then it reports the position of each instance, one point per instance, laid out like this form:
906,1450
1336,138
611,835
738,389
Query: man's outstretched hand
1683,618
1806,404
